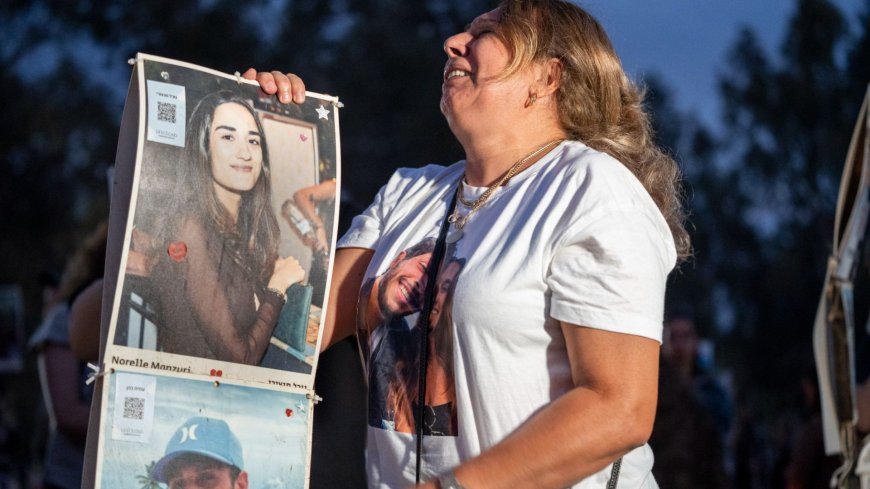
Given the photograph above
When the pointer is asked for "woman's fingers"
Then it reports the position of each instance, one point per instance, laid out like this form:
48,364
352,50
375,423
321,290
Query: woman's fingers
288,87
250,74
289,271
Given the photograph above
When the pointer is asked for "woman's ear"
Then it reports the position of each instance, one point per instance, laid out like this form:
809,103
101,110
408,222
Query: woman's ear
546,78
550,77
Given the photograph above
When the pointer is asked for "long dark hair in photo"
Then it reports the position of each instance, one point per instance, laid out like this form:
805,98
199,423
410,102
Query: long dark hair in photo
253,239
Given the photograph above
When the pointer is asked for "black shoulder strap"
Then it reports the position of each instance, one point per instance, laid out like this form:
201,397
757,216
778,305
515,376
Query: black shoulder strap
431,274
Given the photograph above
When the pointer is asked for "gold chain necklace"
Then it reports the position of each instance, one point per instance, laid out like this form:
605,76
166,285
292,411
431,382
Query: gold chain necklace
473,206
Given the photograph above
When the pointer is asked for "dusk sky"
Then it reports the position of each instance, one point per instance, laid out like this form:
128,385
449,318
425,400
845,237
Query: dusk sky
686,42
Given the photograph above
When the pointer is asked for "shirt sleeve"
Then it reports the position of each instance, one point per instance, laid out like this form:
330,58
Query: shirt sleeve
367,228
610,274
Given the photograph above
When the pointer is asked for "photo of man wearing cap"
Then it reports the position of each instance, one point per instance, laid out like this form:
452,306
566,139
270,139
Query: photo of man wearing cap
200,431
203,453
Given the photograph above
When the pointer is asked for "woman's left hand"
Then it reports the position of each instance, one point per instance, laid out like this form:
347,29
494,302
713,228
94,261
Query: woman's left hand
287,272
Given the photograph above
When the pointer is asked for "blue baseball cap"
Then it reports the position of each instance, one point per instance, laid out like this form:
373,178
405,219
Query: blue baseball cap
203,436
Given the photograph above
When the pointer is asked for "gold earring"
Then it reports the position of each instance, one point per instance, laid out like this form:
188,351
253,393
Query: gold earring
532,99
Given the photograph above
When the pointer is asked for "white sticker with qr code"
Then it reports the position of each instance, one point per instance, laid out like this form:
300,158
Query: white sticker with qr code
134,407
167,113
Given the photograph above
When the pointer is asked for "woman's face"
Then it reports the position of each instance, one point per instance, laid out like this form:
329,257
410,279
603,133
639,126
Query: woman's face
442,288
234,146
472,92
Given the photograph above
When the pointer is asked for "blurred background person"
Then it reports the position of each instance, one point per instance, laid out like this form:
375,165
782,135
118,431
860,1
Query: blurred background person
809,467
687,439
62,374
681,348
84,322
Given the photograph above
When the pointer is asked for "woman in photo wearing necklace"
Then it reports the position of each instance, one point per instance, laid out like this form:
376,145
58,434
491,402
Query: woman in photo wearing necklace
569,220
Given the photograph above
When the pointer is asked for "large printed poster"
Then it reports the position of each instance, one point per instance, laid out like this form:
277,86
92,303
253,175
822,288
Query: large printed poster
231,215
224,227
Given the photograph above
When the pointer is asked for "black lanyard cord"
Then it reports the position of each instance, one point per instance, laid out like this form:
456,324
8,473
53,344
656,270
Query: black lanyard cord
431,275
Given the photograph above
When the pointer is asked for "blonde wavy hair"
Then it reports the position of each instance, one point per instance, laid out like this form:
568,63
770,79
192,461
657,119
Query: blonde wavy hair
597,102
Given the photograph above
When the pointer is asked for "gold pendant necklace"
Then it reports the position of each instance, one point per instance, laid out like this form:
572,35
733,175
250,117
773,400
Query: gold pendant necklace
460,221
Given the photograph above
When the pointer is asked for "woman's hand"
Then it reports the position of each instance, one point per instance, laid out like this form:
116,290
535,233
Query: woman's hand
288,87
287,272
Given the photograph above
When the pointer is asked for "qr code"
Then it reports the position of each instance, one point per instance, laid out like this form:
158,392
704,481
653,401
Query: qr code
134,407
166,112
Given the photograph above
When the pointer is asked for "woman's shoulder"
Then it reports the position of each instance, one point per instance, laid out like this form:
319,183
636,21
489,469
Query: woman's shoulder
54,328
408,192
407,185
593,185
599,176
579,160
412,179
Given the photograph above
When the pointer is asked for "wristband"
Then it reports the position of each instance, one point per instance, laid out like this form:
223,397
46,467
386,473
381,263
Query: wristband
281,295
448,481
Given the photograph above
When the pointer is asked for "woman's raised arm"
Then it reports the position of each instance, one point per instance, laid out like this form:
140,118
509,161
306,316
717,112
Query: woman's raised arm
347,276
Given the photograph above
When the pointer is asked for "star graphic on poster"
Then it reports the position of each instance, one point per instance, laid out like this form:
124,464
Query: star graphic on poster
300,407
322,113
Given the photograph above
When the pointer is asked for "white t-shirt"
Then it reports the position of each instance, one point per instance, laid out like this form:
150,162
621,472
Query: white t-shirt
573,238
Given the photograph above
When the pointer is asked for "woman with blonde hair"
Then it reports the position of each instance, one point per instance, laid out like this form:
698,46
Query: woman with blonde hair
569,219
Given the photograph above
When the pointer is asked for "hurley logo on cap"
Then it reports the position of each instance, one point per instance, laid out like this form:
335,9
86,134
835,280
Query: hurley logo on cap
199,435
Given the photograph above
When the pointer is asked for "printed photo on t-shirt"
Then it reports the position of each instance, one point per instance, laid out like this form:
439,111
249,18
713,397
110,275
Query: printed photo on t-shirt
390,324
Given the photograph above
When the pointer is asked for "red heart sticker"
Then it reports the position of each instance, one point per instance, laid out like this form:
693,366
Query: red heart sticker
303,137
288,412
177,250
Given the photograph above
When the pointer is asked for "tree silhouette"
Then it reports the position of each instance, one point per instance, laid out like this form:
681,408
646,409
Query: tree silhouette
762,195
